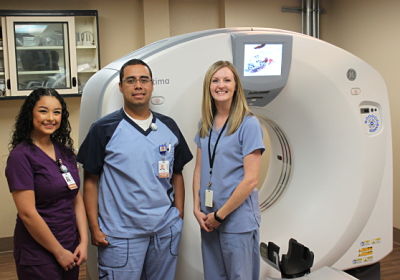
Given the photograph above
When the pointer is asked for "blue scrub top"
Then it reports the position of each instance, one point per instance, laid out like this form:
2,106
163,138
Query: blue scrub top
133,200
228,172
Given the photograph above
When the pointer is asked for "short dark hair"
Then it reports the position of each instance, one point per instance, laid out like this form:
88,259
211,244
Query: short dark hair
133,61
24,121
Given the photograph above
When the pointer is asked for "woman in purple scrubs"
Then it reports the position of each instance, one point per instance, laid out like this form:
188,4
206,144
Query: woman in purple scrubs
50,237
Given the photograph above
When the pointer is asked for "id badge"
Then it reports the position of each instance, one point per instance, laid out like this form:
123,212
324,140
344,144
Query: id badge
209,198
70,181
163,169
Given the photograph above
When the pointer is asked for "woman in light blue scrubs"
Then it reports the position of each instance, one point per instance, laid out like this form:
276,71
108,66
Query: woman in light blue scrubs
229,147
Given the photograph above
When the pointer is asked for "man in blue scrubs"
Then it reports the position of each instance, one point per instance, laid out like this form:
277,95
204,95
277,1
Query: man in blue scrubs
133,185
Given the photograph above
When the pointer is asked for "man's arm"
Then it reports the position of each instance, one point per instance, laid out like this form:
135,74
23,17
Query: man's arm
90,197
179,188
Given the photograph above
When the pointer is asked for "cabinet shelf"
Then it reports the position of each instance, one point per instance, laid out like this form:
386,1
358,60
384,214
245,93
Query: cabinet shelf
41,48
86,47
40,72
89,71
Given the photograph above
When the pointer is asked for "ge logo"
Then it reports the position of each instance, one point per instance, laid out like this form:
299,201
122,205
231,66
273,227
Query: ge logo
351,74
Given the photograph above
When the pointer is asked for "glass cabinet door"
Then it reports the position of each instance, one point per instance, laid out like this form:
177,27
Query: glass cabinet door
2,73
3,60
87,52
41,53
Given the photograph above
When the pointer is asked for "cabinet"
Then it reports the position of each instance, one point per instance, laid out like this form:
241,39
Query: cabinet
3,60
57,49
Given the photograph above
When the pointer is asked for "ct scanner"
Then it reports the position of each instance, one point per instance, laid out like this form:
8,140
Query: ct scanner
327,126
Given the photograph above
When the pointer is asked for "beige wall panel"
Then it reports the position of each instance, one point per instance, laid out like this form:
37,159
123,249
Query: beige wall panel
369,29
262,13
192,15
8,110
155,30
120,26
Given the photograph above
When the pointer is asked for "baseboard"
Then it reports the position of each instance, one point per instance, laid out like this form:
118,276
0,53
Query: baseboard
6,244
396,236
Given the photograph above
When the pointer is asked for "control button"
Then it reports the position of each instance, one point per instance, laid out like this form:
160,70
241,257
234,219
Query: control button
355,91
157,100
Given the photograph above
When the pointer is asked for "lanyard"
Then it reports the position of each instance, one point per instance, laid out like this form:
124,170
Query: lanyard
211,157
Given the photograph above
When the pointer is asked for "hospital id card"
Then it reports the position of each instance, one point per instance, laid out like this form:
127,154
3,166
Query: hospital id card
70,181
163,169
209,198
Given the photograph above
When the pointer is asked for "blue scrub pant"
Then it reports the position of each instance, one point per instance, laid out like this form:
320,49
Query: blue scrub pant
230,256
142,258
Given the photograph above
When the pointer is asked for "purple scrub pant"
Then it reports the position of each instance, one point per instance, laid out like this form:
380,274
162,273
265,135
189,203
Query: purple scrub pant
51,271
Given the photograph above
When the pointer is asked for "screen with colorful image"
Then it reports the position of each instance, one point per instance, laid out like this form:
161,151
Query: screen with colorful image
262,60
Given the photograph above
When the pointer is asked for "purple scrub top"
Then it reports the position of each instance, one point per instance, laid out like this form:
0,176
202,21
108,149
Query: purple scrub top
29,168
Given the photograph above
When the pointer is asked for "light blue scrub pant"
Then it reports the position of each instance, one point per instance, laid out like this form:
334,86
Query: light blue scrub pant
230,256
143,258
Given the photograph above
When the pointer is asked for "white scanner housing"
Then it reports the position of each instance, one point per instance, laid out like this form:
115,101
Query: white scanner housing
327,173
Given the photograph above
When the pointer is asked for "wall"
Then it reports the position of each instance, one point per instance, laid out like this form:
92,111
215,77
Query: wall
121,31
8,111
126,25
180,11
369,29
262,13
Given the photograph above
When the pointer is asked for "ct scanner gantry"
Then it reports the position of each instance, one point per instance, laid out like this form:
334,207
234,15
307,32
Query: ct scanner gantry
327,180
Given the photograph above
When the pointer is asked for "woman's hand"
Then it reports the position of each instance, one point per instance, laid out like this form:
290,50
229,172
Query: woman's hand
211,222
201,219
81,253
66,259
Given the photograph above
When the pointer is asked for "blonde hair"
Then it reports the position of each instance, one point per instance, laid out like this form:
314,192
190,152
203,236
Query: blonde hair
238,110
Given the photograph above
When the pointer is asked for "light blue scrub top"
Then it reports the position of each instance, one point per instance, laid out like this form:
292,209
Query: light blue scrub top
133,200
228,172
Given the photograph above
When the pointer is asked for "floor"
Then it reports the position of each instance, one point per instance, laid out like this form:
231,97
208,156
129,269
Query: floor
390,266
7,268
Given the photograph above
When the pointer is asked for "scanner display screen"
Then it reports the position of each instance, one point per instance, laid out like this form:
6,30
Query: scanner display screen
262,59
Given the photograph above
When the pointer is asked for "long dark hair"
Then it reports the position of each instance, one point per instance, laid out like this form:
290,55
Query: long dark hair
24,120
